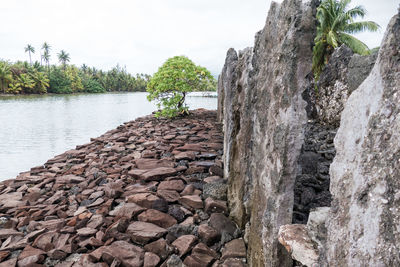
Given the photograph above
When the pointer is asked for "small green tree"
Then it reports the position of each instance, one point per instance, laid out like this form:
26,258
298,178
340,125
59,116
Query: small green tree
171,83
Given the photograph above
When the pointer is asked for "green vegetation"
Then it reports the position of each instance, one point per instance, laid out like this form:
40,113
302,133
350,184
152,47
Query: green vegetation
336,23
27,78
173,80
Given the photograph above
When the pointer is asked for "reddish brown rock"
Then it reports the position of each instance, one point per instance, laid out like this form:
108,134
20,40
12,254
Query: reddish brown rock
157,174
190,190
187,155
212,206
9,263
188,221
234,249
147,164
69,179
151,259
201,256
146,200
4,255
158,218
193,170
208,234
96,221
57,254
191,201
124,252
30,257
143,232
168,195
5,233
73,205
221,223
192,147
176,185
202,249
86,231
184,243
128,210
46,241
158,247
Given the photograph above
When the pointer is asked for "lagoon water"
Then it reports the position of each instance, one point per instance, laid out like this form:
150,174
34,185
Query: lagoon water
37,128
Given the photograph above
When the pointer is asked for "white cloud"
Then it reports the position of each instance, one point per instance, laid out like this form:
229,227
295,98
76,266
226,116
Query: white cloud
141,35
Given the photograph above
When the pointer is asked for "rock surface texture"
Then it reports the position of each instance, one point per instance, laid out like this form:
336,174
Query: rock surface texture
265,117
132,197
363,227
343,74
278,146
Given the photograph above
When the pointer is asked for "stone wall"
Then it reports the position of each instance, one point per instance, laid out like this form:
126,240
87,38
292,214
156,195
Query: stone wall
363,227
278,146
264,117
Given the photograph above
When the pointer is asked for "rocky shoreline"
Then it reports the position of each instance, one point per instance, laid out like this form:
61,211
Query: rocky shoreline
148,193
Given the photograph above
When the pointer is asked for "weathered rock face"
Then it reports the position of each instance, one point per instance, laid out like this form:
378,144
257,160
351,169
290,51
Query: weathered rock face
344,72
363,228
264,120
237,129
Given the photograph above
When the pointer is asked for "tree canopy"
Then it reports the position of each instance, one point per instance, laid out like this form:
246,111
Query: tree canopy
22,77
173,80
336,23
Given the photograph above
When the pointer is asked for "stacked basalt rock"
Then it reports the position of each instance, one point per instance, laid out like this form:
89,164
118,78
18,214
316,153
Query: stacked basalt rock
149,193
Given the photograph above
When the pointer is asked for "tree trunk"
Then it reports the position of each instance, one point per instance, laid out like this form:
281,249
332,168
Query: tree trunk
180,103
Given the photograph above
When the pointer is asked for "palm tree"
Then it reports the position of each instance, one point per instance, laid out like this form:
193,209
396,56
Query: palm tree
41,82
63,58
5,75
84,68
30,49
335,26
46,52
46,57
26,82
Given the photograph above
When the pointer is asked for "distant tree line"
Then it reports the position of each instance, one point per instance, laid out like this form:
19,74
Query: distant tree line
41,77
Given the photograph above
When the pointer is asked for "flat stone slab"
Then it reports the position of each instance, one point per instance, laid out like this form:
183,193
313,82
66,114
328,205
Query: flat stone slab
153,174
143,232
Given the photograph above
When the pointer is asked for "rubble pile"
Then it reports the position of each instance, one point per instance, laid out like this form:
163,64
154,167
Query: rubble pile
148,193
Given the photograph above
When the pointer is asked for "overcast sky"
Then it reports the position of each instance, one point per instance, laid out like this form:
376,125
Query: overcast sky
142,34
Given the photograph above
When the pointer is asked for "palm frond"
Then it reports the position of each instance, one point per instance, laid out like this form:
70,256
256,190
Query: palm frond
356,45
361,26
332,39
358,11
318,59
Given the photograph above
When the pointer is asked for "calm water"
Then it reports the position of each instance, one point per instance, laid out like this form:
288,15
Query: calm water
36,128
